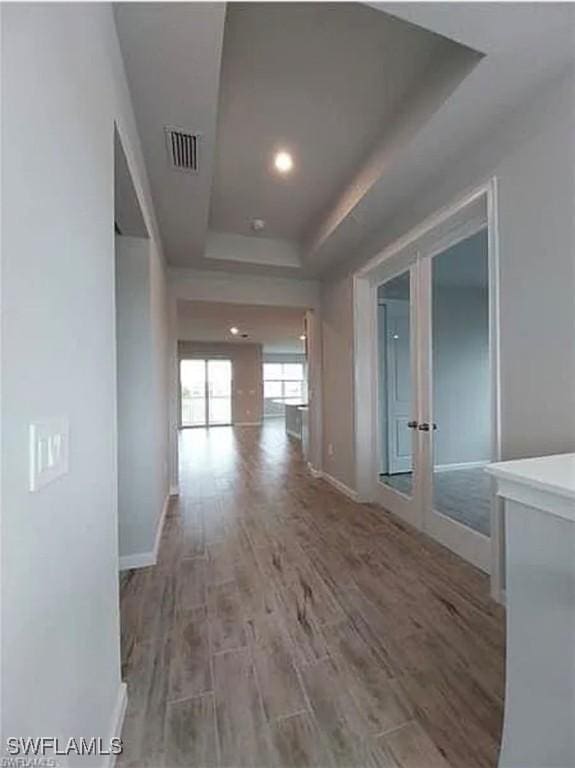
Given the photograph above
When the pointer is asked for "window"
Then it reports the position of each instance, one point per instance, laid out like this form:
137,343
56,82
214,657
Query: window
273,389
206,392
284,382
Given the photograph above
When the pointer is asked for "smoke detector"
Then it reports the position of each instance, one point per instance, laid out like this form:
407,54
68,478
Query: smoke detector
257,225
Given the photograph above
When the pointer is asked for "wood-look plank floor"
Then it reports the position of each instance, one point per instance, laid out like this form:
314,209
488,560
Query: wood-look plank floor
285,625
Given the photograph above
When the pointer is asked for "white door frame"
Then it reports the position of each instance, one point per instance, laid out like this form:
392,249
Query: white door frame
433,235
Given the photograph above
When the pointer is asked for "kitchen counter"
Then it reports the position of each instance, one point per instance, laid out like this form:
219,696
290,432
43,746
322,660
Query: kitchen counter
293,417
539,498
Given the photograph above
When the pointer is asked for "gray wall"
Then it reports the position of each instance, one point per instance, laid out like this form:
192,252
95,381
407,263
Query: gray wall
337,380
461,375
141,331
460,341
63,88
533,157
247,385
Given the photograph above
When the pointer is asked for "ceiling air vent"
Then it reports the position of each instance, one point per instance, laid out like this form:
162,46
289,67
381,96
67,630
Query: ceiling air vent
183,150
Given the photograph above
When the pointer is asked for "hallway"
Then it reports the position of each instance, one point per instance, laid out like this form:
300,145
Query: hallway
287,625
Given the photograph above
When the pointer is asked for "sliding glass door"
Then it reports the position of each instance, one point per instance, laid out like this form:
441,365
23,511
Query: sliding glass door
219,381
205,392
193,393
434,396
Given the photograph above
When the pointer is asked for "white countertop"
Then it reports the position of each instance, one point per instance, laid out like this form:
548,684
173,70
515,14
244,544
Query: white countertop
555,474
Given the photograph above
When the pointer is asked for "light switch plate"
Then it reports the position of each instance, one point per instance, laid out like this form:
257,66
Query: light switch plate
49,445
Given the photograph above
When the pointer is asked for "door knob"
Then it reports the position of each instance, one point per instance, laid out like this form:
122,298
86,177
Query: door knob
425,427
412,424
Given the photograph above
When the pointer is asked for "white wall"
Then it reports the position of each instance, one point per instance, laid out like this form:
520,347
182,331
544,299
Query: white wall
201,285
225,246
63,87
533,158
159,412
142,401
173,393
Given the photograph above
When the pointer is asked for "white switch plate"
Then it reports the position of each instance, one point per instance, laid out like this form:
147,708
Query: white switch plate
49,443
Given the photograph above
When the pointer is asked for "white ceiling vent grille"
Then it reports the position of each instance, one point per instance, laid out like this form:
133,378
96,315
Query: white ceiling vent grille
183,150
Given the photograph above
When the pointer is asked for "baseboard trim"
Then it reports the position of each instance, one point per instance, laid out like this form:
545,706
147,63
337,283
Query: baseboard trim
117,722
146,559
139,560
341,487
464,465
337,484
248,424
174,490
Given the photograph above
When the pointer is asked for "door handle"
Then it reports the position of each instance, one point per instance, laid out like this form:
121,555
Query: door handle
425,427
412,424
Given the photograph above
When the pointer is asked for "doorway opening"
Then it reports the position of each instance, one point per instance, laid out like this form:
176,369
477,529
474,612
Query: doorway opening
394,350
206,392
428,380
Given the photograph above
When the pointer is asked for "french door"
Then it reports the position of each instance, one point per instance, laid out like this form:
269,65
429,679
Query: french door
433,434
205,392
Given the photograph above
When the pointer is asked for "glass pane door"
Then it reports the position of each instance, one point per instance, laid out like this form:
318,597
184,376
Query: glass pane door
434,396
193,393
397,389
219,391
458,508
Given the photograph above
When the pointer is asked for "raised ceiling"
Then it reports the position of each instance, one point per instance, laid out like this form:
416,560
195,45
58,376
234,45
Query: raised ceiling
320,79
374,100
326,81
278,329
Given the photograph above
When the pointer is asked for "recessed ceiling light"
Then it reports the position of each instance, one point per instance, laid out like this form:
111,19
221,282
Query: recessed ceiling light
283,161
234,331
302,337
